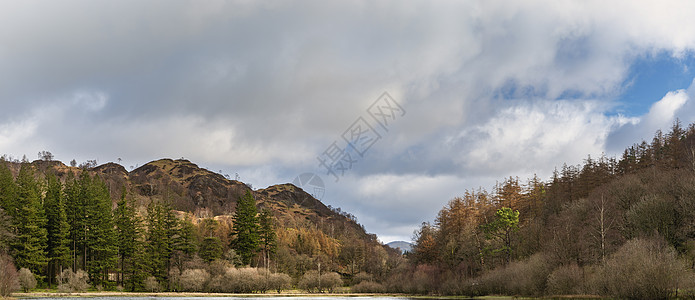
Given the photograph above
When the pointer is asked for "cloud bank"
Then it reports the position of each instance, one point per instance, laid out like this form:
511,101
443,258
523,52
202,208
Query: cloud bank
492,88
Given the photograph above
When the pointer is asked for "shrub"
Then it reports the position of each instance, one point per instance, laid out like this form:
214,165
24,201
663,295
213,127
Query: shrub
311,281
244,280
642,269
26,279
566,280
279,281
425,279
362,276
368,287
194,280
9,279
152,285
330,281
69,281
527,277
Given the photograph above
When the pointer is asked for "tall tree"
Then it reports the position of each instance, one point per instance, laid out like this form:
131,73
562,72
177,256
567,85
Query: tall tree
267,236
75,208
100,233
502,228
163,238
29,248
8,189
244,236
58,229
130,244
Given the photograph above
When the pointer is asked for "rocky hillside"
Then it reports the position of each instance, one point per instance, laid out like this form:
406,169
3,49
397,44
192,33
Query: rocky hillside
306,227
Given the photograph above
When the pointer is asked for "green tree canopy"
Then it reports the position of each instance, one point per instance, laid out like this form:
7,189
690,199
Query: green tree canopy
245,236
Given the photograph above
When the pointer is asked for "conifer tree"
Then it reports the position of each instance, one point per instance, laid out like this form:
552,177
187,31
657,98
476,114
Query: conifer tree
8,190
58,229
100,235
29,248
129,244
74,208
244,235
267,236
162,239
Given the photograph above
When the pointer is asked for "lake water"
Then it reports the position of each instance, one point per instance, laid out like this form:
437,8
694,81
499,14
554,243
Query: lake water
236,298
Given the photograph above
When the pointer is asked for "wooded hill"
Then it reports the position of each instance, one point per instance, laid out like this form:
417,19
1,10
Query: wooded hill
611,226
122,227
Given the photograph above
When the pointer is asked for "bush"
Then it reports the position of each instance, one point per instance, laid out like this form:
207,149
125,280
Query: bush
152,285
362,276
69,281
244,280
642,269
425,279
566,280
527,277
311,282
194,280
331,281
9,279
26,279
279,281
368,287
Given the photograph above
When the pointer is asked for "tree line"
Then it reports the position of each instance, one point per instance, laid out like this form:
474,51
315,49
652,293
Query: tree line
621,227
49,227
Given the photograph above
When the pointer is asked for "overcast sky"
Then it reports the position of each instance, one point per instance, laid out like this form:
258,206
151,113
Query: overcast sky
483,90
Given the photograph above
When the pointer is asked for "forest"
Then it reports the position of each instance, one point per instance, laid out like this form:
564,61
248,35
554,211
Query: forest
619,227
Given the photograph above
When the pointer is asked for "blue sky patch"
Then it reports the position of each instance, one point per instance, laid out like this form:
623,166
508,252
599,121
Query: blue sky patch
651,77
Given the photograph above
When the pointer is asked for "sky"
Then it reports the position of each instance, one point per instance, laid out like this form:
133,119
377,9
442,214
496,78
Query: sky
397,106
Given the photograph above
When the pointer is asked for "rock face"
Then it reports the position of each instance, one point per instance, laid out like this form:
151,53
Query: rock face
202,193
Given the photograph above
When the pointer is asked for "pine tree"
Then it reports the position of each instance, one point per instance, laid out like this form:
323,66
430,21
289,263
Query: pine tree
58,229
162,239
210,248
129,244
100,235
7,206
244,235
29,248
8,190
75,210
267,236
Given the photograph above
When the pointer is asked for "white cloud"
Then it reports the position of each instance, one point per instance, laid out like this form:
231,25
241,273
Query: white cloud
251,85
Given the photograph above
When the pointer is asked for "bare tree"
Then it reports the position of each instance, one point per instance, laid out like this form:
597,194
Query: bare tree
45,155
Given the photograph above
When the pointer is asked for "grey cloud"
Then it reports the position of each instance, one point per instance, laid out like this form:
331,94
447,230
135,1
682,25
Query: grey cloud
252,85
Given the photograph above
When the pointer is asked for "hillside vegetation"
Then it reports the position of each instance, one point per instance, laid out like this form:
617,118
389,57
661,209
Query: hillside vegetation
617,227
169,223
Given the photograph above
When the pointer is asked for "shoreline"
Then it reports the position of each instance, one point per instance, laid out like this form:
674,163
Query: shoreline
290,293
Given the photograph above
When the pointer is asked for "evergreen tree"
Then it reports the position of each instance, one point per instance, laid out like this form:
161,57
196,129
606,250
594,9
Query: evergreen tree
129,244
210,248
163,239
244,235
58,229
8,190
267,236
75,210
100,235
29,248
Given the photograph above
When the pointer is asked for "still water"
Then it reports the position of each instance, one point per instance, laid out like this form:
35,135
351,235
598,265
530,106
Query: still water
233,298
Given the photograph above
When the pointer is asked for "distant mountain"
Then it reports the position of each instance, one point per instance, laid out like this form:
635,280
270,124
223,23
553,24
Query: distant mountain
403,246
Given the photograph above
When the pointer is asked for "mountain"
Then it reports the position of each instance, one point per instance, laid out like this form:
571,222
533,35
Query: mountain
401,245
